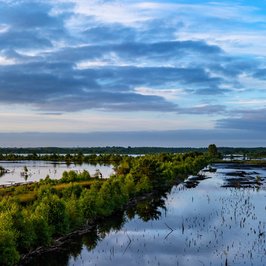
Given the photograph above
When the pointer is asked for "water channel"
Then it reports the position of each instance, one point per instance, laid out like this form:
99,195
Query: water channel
216,218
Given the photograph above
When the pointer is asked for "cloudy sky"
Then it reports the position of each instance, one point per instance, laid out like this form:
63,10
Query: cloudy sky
139,73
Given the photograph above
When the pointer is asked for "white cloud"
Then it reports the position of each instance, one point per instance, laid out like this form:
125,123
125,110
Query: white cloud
257,103
7,61
110,11
241,43
133,12
91,64
251,83
4,28
168,94
211,9
108,59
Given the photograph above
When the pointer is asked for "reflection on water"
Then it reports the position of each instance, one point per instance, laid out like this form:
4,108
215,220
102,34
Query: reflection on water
40,169
207,224
146,210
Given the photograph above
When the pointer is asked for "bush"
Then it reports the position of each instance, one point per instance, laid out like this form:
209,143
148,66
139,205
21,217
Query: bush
8,251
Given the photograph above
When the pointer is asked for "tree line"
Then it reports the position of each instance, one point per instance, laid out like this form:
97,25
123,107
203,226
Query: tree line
35,153
99,150
77,158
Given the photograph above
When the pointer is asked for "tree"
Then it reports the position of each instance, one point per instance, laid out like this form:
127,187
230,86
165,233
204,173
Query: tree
43,233
213,151
53,210
8,252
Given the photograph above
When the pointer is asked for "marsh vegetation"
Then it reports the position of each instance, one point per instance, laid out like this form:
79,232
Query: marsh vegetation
36,214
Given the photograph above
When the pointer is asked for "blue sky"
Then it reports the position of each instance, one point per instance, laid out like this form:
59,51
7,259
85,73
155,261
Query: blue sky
139,73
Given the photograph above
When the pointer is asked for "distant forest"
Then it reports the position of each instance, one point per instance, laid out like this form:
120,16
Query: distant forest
251,152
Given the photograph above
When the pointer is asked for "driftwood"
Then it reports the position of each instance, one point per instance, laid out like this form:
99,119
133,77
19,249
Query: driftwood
56,244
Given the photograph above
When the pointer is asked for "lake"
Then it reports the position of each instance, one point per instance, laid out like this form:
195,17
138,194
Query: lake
40,169
216,218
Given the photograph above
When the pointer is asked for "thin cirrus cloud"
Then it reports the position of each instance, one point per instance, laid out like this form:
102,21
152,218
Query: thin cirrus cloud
168,57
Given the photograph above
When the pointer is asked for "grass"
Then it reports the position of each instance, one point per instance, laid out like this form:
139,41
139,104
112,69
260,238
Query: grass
27,197
26,193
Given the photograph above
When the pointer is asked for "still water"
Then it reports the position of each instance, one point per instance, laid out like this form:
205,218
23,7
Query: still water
40,169
218,218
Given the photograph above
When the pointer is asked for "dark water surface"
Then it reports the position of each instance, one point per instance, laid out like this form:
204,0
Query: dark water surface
215,219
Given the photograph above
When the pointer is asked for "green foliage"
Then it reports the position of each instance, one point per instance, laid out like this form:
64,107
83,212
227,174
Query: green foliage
73,176
129,185
24,227
74,213
43,233
72,190
32,215
53,210
144,185
79,152
69,176
8,252
87,202
213,151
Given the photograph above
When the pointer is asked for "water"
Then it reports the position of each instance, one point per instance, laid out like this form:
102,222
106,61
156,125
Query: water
215,219
40,169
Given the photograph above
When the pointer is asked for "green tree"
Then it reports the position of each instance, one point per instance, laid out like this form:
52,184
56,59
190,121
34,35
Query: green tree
105,201
129,185
53,210
213,151
143,185
74,212
8,252
43,233
24,227
87,201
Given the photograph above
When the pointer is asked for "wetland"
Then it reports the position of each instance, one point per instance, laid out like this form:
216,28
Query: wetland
214,218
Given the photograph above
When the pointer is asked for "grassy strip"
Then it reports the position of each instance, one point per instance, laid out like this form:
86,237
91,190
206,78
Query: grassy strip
27,193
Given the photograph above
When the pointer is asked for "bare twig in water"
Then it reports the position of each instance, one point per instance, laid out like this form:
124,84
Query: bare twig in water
129,243
169,227
171,230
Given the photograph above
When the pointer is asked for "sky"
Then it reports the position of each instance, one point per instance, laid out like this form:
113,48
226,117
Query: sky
132,73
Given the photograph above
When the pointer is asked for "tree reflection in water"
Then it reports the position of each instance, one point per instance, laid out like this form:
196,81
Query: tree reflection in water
146,209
